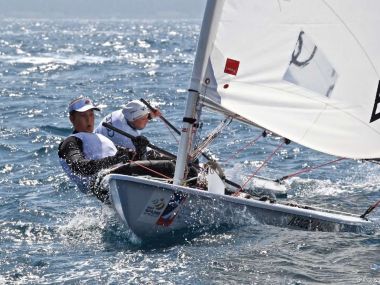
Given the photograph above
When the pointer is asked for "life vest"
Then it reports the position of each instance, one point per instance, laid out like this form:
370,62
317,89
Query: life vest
95,146
118,120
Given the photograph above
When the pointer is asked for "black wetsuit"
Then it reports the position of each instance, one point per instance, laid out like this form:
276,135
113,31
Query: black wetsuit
71,150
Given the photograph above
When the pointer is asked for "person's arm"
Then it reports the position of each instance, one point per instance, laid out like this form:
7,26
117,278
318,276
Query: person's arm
71,150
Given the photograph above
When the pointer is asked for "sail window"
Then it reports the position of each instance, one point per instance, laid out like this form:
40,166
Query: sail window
310,68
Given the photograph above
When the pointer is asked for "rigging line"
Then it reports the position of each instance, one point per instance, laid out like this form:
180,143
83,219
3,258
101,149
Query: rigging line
170,130
308,169
211,137
168,124
262,165
151,170
251,143
370,209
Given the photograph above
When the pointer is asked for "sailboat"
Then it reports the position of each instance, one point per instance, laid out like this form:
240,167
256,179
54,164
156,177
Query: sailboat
307,71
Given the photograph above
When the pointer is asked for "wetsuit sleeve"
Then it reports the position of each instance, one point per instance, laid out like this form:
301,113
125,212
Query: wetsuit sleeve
71,150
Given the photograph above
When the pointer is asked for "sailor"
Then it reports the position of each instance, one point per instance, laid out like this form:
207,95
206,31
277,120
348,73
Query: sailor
131,119
86,156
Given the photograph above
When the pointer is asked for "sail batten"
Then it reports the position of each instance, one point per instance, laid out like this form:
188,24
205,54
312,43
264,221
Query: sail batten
306,70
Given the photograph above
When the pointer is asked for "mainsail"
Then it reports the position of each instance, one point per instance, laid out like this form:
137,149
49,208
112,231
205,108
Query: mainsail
306,70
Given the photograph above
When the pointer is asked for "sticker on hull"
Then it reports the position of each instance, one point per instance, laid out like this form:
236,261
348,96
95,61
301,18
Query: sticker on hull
154,207
171,211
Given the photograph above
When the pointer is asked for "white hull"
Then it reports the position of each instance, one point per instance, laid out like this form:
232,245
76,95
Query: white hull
143,204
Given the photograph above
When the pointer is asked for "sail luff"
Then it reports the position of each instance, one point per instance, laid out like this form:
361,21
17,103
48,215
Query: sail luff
209,25
206,40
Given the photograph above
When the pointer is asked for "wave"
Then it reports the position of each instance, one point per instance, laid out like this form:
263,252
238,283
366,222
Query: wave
54,130
91,225
45,59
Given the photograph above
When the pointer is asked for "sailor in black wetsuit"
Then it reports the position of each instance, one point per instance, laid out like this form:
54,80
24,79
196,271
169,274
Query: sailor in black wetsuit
84,154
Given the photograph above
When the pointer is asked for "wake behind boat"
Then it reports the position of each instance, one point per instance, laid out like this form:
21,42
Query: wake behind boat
307,71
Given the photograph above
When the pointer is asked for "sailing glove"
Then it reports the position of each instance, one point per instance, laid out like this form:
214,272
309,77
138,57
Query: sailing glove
124,154
140,143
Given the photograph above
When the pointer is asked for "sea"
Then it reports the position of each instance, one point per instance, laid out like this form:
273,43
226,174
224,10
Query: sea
51,233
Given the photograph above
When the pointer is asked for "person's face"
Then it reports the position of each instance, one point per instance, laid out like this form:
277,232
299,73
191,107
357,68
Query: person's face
83,121
141,122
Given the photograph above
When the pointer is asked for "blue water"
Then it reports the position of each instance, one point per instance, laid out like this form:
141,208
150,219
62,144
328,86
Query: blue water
52,233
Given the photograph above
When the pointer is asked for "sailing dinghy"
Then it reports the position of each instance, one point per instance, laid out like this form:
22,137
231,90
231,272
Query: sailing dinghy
307,71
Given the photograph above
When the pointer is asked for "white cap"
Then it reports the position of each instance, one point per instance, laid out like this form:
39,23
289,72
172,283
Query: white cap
82,104
135,110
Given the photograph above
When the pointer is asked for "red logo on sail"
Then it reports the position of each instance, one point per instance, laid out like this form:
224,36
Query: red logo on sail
232,66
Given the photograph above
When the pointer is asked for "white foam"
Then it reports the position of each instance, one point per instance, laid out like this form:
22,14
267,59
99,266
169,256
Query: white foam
54,59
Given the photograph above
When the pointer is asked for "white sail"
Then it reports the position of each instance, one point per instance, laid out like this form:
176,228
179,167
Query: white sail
305,69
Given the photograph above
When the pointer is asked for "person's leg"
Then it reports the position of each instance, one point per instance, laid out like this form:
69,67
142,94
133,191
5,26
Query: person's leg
154,168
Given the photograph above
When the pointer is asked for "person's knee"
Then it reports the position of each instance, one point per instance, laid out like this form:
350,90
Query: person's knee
193,172
166,167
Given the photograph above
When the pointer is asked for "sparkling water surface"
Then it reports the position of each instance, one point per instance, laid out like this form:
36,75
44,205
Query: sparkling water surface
53,234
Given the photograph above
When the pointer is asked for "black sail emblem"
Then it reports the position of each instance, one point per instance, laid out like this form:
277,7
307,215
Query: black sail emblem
298,50
310,68
375,115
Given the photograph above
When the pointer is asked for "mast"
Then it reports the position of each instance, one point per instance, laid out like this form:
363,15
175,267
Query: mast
209,25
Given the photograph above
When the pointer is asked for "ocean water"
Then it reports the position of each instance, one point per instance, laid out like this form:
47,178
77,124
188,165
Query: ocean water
53,234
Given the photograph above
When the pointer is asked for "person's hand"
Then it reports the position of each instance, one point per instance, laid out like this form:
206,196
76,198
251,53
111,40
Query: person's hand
124,154
140,141
156,113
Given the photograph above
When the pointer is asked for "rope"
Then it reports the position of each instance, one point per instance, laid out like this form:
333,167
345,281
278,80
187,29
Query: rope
170,130
262,165
151,170
370,209
233,156
308,169
212,136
